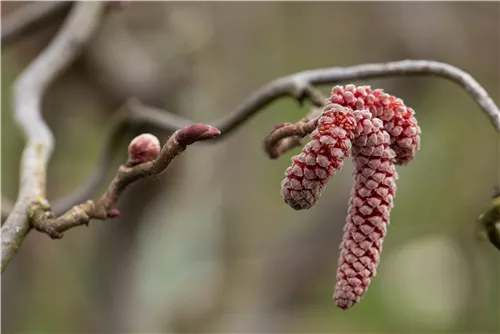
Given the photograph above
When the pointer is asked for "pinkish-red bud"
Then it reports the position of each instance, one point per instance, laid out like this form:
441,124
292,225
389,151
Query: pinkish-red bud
113,213
143,148
196,132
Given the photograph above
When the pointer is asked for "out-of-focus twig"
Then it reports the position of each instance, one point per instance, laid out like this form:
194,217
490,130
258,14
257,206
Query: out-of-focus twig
29,89
44,220
31,17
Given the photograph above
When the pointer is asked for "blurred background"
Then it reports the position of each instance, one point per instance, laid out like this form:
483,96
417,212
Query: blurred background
210,246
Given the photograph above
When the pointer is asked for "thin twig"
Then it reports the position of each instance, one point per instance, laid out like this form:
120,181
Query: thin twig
31,17
298,86
131,113
287,136
29,89
43,219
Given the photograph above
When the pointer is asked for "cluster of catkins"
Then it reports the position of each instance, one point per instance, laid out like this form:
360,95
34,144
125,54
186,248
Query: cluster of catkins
380,132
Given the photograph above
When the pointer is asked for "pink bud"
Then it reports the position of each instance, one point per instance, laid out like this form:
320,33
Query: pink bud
196,132
113,213
143,148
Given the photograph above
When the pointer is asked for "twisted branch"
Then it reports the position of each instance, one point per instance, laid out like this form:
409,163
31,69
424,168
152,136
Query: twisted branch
29,89
298,86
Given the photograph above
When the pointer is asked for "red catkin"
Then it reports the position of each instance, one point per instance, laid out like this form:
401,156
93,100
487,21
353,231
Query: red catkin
369,210
380,132
399,120
320,159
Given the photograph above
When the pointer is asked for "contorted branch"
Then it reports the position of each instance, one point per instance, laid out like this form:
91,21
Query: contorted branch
28,92
298,86
30,17
151,162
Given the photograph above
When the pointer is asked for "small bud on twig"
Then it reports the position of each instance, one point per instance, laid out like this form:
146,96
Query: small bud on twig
196,132
143,148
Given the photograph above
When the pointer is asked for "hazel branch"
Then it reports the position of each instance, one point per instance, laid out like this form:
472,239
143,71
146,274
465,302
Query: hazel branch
298,86
29,89
145,159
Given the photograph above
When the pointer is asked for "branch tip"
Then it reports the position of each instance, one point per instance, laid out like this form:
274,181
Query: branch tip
196,132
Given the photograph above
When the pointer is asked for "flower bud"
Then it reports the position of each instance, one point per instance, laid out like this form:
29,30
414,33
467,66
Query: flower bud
143,148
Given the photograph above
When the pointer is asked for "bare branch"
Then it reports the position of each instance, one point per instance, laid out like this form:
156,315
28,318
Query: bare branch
299,85
30,18
43,219
29,89
294,85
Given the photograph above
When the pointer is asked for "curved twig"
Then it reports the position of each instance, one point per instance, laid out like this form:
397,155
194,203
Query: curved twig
298,86
132,112
29,89
30,17
44,220
287,136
